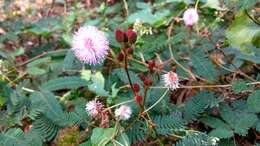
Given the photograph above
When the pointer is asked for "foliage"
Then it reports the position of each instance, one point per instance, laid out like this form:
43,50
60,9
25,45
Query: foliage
44,88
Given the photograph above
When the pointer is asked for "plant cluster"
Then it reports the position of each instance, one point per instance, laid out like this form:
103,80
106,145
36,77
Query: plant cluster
166,72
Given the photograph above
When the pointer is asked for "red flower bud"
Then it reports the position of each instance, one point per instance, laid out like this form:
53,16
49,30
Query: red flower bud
120,36
151,65
120,56
141,76
136,87
130,50
131,35
148,82
138,99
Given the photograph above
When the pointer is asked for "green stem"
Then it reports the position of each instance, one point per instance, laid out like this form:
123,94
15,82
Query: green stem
197,3
126,7
128,101
158,101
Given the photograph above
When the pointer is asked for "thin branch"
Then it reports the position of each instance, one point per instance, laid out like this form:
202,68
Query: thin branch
40,56
126,7
158,101
116,105
28,90
205,86
238,69
171,53
253,19
127,72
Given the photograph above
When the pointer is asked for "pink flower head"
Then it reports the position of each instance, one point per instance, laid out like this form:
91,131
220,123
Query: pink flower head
94,109
171,80
90,45
190,17
123,113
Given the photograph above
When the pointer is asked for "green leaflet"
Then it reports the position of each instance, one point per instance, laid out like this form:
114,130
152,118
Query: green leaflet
102,136
253,102
221,133
51,107
241,32
197,105
71,82
202,65
16,137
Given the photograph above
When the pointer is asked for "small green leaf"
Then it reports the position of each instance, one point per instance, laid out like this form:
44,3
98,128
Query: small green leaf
221,133
202,65
101,136
35,71
98,84
39,61
257,127
241,32
85,74
124,140
239,86
123,76
214,4
214,122
253,102
17,52
64,83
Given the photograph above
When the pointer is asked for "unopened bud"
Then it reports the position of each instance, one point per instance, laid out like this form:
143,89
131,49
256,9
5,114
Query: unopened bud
130,50
138,99
148,82
136,87
120,36
151,65
131,35
120,56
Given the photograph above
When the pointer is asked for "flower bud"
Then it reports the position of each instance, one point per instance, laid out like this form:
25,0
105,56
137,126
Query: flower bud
120,56
130,50
141,76
138,99
136,87
120,36
131,35
148,82
151,65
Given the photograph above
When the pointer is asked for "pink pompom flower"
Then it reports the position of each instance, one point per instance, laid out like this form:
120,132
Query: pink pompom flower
190,17
123,112
94,109
171,80
90,45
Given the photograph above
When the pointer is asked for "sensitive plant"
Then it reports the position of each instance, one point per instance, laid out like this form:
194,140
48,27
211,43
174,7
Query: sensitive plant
140,77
